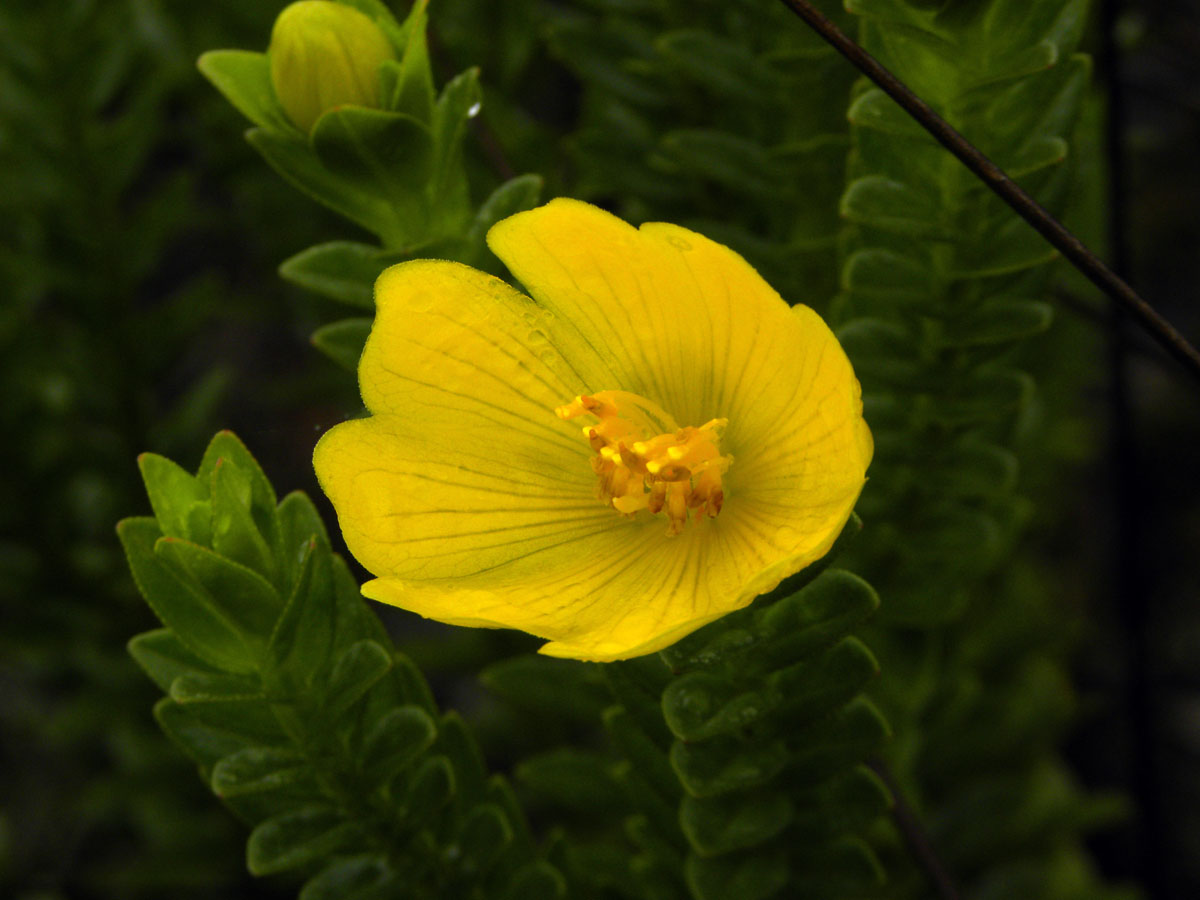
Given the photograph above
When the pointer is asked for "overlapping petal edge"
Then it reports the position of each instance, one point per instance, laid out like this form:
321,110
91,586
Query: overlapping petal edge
473,504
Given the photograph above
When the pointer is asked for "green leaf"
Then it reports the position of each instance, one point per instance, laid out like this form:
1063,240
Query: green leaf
535,881
173,495
226,446
484,835
459,103
877,272
235,528
575,779
726,765
646,756
701,706
388,154
727,159
723,66
341,270
431,788
891,205
850,736
514,196
746,877
203,687
343,341
242,596
164,658
301,643
299,525
876,110
356,670
244,78
259,769
558,689
412,91
350,879
822,613
299,837
847,803
293,158
813,688
200,626
456,742
1000,320
716,825
205,742
395,740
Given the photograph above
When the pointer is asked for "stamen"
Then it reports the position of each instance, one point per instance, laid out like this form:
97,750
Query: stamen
675,470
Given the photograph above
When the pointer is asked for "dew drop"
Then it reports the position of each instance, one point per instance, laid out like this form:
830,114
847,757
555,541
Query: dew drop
474,109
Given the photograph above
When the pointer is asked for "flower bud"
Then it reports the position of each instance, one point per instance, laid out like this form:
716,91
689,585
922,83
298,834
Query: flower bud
325,54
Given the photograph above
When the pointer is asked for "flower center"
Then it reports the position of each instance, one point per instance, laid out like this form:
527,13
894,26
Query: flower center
644,460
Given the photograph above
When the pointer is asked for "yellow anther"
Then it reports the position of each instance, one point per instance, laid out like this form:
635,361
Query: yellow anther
645,461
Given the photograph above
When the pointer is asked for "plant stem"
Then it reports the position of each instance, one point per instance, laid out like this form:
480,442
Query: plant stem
914,835
1009,191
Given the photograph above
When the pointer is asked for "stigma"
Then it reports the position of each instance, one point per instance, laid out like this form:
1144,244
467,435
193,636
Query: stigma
645,461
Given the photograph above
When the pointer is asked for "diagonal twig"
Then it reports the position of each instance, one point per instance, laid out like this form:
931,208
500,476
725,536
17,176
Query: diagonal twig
995,178
914,834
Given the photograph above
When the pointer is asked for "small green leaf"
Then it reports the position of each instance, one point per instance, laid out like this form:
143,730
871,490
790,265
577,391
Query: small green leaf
431,788
258,769
558,689
847,803
205,742
348,879
300,837
244,78
746,877
343,341
182,606
459,746
300,645
204,687
724,66
822,613
412,90
575,779
395,740
299,525
646,756
242,596
877,272
173,494
829,746
727,159
460,102
1000,320
813,688
726,765
341,270
701,706
535,881
484,835
514,196
356,670
876,110
235,528
891,205
716,825
293,158
164,657
226,446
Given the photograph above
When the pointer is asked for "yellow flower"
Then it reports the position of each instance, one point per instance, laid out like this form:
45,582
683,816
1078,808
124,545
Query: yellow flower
325,54
652,441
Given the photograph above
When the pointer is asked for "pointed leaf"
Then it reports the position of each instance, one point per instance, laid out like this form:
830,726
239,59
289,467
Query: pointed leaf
299,837
244,78
259,769
164,657
395,740
244,597
173,493
356,670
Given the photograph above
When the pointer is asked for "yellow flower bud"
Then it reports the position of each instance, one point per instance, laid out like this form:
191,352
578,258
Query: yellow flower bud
325,54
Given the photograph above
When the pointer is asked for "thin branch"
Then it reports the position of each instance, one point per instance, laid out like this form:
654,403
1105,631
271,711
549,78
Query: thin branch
914,834
995,178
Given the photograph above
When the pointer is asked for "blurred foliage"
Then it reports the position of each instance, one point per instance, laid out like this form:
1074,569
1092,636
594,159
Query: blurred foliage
141,310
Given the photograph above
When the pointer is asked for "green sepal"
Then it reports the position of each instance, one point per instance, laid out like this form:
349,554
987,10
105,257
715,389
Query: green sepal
199,625
256,770
299,837
293,158
244,77
717,825
408,82
342,270
365,877
536,881
343,341
242,596
394,741
458,104
559,689
387,154
574,779
357,668
164,658
755,876
174,494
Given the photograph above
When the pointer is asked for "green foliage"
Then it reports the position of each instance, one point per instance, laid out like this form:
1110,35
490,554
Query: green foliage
289,696
726,117
940,282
